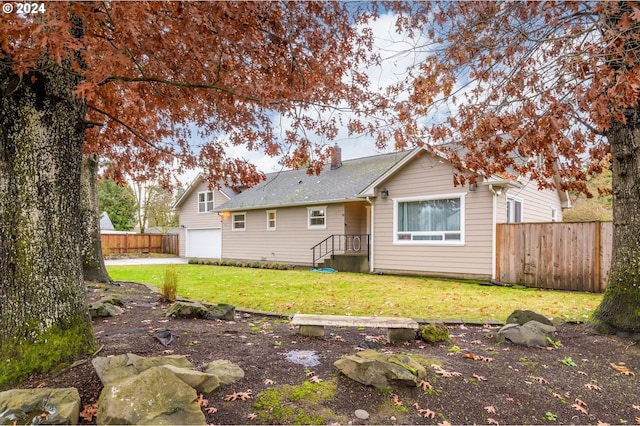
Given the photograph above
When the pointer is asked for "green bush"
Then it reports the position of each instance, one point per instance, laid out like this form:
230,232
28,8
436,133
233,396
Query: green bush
169,289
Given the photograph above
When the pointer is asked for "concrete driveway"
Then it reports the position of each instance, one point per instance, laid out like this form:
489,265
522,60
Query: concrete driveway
146,261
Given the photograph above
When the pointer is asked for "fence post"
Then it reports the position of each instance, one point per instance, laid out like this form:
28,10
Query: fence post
598,269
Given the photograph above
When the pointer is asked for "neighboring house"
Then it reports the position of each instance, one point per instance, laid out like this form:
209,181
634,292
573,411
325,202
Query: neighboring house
400,211
200,226
105,222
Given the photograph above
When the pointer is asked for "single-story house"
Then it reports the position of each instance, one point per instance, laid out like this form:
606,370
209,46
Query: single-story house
200,232
391,213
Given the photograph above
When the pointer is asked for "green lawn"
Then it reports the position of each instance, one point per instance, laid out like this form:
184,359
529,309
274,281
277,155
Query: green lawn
359,294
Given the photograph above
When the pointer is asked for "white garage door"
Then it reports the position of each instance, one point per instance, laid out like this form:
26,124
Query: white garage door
204,243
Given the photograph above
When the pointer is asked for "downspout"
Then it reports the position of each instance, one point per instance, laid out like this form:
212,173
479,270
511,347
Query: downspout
494,219
371,245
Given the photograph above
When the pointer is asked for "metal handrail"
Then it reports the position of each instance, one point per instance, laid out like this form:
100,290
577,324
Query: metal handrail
342,243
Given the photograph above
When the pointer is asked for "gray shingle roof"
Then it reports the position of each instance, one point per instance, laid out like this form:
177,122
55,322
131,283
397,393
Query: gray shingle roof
296,187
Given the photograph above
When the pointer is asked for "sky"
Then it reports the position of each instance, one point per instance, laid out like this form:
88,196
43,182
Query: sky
397,53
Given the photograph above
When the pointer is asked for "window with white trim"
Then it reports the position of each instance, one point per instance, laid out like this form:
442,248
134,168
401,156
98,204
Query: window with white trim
554,214
239,222
429,220
271,220
205,201
317,217
514,210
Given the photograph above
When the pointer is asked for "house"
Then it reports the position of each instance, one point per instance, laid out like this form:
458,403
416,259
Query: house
200,232
394,213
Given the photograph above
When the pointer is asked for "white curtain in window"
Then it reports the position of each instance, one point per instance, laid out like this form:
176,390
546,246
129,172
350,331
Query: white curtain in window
429,215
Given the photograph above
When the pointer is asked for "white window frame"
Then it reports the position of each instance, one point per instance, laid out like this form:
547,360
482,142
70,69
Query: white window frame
554,215
510,213
443,242
310,210
234,222
208,204
272,223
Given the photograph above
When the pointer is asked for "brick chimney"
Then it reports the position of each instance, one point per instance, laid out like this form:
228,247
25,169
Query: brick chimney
336,157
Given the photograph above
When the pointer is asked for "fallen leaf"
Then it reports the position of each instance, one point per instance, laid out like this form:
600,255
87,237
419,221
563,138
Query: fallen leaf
491,421
89,412
636,407
540,380
201,401
252,416
238,395
580,408
592,386
396,401
41,385
315,379
268,382
581,403
427,414
490,409
603,423
211,410
477,357
638,420
623,369
425,385
479,378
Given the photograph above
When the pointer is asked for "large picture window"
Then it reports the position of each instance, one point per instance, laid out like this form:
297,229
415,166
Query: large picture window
429,220
205,201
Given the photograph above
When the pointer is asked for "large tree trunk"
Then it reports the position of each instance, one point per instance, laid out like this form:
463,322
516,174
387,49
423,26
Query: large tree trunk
620,307
93,268
44,318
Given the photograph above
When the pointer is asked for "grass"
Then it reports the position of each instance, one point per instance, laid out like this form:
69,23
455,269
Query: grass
360,294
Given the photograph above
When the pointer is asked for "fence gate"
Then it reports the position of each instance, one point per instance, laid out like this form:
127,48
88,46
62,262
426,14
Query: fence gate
559,255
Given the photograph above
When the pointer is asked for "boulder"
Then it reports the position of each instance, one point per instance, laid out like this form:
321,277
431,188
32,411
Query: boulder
226,371
523,316
114,368
533,333
102,309
155,396
201,382
380,370
40,406
202,310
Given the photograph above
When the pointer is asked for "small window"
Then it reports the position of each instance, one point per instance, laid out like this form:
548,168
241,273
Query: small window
514,210
317,218
205,201
271,220
554,214
239,222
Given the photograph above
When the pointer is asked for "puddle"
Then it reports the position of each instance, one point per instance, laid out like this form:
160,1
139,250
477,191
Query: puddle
306,358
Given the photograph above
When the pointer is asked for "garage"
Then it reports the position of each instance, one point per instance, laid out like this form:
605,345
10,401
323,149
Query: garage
204,243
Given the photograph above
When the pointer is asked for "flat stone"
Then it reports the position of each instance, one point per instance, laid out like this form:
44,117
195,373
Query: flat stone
114,368
362,414
28,406
226,371
380,370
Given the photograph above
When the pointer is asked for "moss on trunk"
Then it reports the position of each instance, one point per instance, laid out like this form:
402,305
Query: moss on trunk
44,314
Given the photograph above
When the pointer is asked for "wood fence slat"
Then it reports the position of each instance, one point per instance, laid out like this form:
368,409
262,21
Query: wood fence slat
113,244
557,255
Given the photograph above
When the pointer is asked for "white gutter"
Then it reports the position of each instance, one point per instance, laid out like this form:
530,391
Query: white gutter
494,220
372,224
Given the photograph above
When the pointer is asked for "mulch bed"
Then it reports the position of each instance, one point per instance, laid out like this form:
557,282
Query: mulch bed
587,379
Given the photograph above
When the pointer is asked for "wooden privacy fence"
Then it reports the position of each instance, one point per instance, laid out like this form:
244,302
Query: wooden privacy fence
139,243
558,255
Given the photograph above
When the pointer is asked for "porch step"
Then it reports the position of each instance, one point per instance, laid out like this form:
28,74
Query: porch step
347,263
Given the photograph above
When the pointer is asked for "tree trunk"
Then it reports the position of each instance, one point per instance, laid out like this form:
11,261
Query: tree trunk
44,319
93,268
620,307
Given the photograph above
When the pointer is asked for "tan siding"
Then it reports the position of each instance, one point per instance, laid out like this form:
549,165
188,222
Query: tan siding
426,176
290,242
536,205
191,219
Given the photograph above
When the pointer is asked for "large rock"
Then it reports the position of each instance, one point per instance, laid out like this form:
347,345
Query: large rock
114,368
201,382
40,406
226,371
380,370
523,316
102,309
533,333
202,310
155,396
